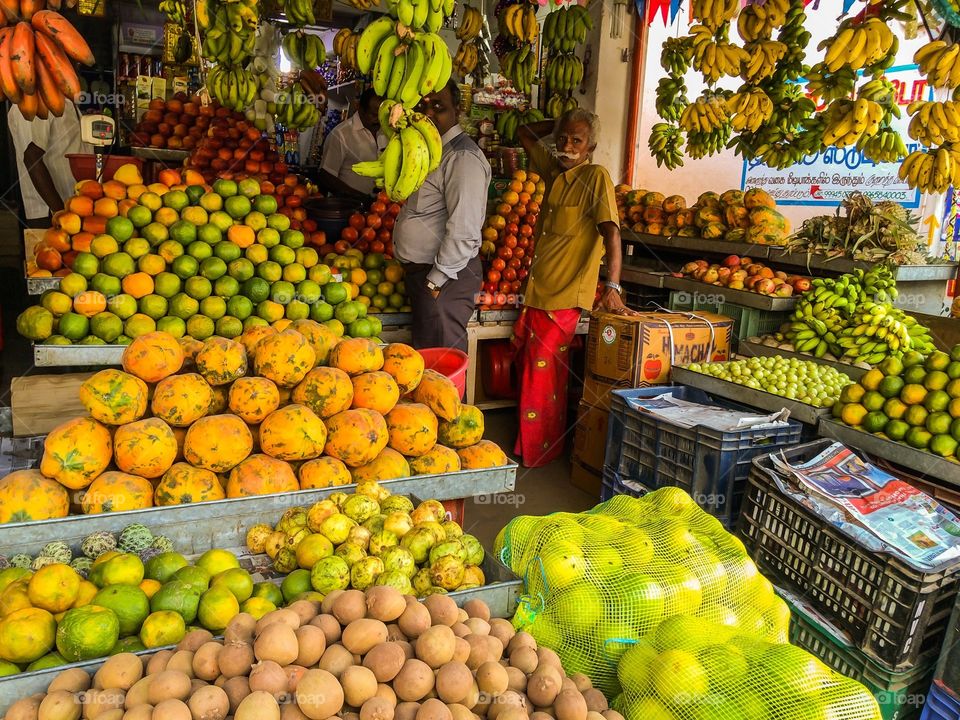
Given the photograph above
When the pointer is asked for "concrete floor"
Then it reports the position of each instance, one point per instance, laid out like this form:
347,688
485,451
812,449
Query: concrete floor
539,491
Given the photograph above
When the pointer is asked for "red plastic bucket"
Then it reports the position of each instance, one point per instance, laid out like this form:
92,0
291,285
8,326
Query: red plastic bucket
450,362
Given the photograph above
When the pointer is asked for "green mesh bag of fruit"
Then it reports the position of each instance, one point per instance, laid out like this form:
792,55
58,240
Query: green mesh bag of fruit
691,669
600,583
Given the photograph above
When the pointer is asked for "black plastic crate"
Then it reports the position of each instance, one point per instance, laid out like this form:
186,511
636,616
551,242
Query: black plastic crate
711,465
948,667
895,612
612,484
900,695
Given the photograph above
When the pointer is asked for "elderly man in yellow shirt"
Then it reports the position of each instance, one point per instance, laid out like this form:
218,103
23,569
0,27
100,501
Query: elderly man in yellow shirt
578,223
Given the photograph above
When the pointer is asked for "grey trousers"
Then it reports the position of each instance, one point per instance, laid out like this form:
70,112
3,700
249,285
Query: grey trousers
442,322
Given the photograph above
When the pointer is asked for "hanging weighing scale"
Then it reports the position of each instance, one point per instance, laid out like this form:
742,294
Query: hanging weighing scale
98,130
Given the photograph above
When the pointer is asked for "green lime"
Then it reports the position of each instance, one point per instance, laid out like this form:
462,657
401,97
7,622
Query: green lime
91,340
936,401
236,580
874,422
278,222
292,238
336,292
937,360
241,269
936,380
255,220
213,268
107,285
953,370
227,251
120,227
916,415
347,312
153,306
269,271
297,310
890,386
106,326
282,292
229,327
872,400
320,274
213,307
122,305
294,272
200,327
183,306
210,234
136,248
237,206
938,423
221,219
176,199
139,324
282,255
896,430
268,237
140,216
266,204
172,326
183,232
226,287
198,287
268,591
379,302
194,193
185,267
199,250
179,596
166,284
155,233
225,188
118,264
914,375
73,326
321,311
918,437
128,602
295,583
943,445
257,289
955,429
240,307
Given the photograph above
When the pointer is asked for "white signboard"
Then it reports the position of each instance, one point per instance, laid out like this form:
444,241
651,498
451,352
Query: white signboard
826,178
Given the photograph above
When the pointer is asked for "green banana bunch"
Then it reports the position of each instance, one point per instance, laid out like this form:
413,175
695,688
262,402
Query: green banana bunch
295,110
671,98
303,50
666,145
676,55
427,15
557,105
175,10
404,65
884,147
235,88
413,151
509,122
563,73
566,27
520,67
299,12
230,38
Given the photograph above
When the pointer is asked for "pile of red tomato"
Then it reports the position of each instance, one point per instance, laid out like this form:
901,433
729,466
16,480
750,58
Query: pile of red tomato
507,241
370,232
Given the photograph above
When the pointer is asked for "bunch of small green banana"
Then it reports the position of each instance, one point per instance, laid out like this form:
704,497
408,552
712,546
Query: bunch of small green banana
671,98
230,37
175,10
714,13
557,105
939,61
715,58
234,87
882,92
757,22
563,73
566,27
421,14
701,143
776,147
847,120
519,23
814,331
413,151
934,123
857,46
509,122
762,59
298,12
831,85
884,147
749,108
466,59
666,145
676,54
796,37
470,24
708,112
295,110
405,65
933,170
520,67
304,51
345,47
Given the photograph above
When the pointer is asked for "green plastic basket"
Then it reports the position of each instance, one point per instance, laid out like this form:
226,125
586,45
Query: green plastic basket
747,322
900,695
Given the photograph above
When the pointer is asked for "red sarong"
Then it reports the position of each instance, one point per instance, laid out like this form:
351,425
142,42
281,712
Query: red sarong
541,341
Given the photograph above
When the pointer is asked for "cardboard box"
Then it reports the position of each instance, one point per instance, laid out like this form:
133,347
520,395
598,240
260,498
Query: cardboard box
596,393
639,349
590,435
41,402
584,478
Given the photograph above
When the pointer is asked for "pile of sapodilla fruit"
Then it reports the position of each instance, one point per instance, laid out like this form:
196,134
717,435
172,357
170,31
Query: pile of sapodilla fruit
374,655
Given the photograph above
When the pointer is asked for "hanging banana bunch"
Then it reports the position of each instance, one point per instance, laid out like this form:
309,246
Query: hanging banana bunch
509,122
519,23
298,12
671,98
714,14
303,50
295,109
345,47
557,105
175,10
567,27
563,30
470,24
520,66
564,73
468,54
466,59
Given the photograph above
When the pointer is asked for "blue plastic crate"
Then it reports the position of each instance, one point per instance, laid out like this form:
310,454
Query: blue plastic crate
612,484
940,705
709,464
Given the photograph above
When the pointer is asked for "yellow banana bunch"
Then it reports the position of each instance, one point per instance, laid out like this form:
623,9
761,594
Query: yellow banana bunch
231,35
933,170
846,121
757,22
714,13
704,115
519,22
235,88
364,5
830,86
466,59
345,47
470,24
762,59
857,46
714,59
934,123
413,151
940,62
749,109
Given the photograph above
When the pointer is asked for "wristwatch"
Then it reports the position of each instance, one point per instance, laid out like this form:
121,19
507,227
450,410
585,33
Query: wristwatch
614,286
432,286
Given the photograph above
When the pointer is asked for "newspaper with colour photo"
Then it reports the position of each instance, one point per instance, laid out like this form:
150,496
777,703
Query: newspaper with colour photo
908,521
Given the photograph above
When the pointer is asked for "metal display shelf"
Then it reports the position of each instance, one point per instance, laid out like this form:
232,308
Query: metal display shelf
734,297
904,273
190,529
392,319
748,396
642,276
39,285
920,462
77,355
696,244
755,349
160,154
486,317
501,594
